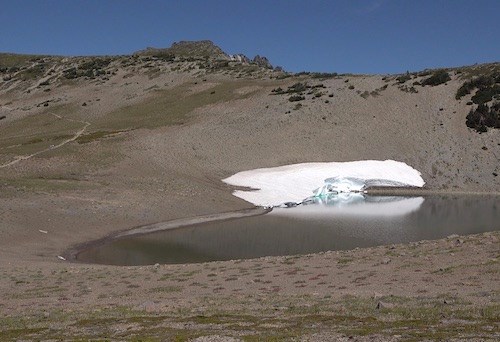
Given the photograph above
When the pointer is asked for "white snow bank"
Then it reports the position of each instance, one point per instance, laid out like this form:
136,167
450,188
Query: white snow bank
293,183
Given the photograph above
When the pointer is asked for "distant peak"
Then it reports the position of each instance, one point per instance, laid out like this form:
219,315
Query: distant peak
193,43
195,49
205,49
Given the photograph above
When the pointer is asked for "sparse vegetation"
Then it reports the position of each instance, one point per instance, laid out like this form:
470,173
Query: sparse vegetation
406,89
90,68
323,75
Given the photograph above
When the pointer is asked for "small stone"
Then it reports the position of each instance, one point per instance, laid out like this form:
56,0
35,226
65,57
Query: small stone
383,305
148,306
385,261
452,236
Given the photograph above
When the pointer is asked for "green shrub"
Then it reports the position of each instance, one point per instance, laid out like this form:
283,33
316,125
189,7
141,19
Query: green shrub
486,94
277,91
439,77
297,88
295,98
488,86
323,75
403,78
483,117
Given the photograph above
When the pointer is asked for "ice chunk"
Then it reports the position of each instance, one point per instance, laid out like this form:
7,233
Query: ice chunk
337,185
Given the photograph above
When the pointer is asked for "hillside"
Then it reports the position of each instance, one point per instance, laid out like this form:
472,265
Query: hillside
174,125
235,104
94,145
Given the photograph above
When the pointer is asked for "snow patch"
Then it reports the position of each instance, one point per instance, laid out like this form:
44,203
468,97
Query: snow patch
296,182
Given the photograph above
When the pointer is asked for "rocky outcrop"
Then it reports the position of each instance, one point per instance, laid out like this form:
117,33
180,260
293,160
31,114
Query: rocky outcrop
262,62
205,49
239,57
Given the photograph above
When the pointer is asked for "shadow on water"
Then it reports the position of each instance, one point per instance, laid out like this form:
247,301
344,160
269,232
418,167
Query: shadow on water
335,223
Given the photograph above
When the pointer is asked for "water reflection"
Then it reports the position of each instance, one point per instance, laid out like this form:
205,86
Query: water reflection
356,204
306,229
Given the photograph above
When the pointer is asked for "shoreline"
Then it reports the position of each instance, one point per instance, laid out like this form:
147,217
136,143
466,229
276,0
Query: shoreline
71,254
426,192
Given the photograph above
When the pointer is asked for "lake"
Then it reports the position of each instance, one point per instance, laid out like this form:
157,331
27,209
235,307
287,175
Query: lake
335,223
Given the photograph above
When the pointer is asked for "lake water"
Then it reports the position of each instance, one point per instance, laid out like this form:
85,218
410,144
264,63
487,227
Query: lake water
337,223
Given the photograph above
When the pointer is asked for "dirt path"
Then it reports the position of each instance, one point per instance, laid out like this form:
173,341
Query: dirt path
52,147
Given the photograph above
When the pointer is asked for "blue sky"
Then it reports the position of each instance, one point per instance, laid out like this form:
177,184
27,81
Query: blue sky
358,36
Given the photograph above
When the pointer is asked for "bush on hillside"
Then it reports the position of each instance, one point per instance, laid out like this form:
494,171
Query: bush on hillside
403,78
483,117
488,86
439,77
486,94
296,98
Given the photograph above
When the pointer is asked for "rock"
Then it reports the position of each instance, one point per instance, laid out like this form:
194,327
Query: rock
262,62
385,261
215,338
148,306
239,57
452,236
383,305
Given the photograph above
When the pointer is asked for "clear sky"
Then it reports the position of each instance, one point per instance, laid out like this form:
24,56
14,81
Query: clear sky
359,36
